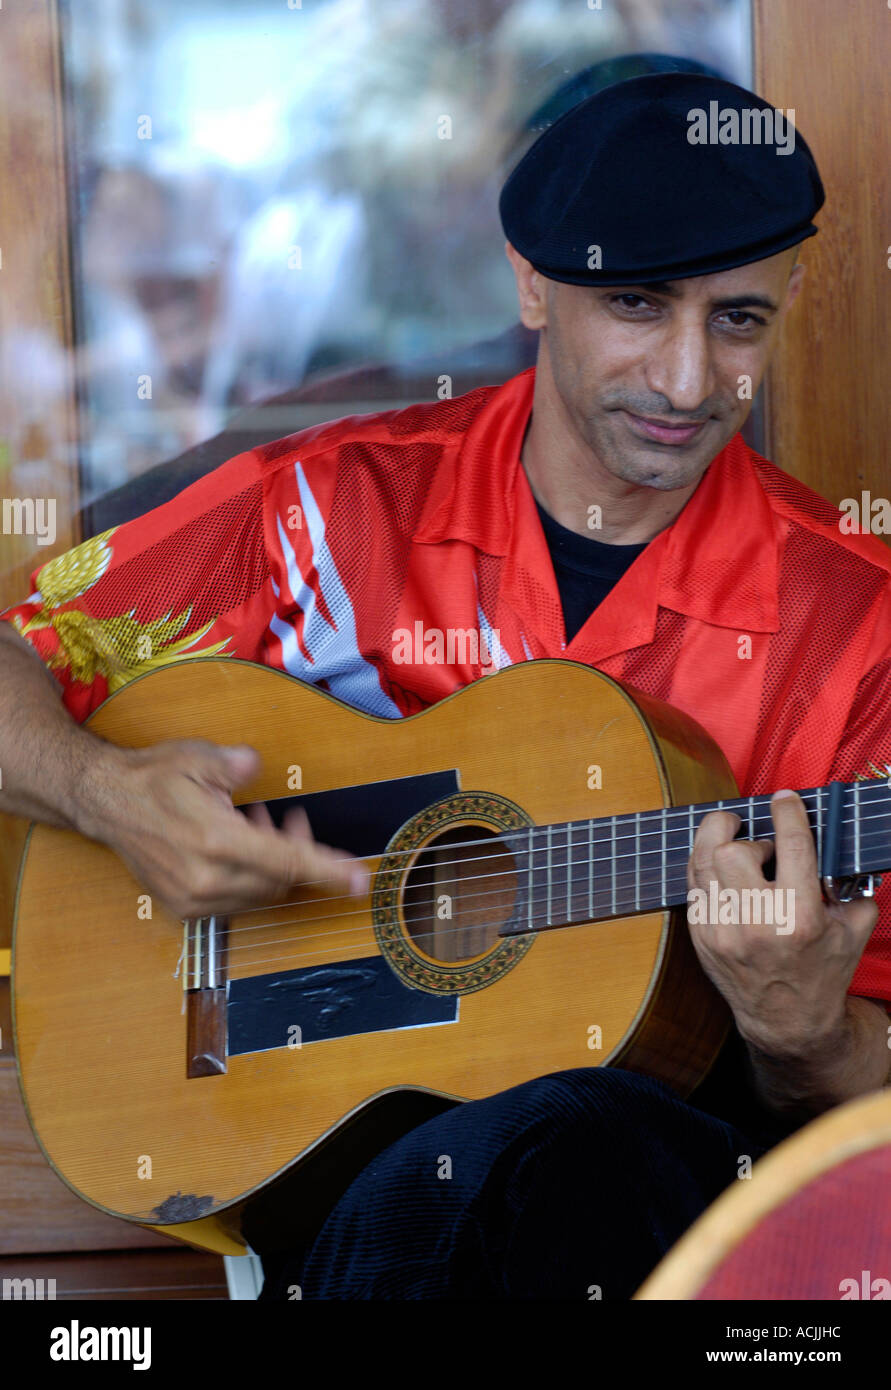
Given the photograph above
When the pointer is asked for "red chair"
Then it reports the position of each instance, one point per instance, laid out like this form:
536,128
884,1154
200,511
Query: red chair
812,1222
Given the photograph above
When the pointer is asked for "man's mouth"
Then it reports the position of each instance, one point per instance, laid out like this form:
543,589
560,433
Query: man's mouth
662,432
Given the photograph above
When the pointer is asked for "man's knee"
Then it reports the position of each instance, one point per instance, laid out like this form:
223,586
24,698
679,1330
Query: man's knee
585,1098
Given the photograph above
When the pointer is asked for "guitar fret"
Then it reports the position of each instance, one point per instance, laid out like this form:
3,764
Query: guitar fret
591,869
691,827
636,860
677,849
820,829
856,827
751,817
548,875
569,872
612,857
664,852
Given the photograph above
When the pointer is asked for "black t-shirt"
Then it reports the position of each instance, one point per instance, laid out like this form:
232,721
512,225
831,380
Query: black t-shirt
585,569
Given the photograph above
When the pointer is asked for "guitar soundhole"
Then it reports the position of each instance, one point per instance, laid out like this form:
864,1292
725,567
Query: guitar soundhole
459,893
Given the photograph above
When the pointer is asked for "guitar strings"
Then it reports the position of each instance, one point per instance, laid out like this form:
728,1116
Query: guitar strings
520,874
540,917
624,817
606,906
672,884
643,880
492,842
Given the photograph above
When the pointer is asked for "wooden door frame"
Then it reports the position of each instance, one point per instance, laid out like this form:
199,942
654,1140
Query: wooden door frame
828,392
36,308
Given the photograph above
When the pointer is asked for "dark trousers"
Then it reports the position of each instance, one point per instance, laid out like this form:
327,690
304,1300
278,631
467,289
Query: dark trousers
571,1186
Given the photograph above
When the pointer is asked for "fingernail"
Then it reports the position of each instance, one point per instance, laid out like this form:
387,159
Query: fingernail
785,792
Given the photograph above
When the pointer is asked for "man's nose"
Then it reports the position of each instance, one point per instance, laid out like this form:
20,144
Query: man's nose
681,369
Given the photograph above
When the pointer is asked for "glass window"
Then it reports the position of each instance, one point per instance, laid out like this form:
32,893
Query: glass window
269,195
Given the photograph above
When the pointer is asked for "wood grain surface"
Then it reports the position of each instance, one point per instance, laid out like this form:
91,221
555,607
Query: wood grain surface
828,396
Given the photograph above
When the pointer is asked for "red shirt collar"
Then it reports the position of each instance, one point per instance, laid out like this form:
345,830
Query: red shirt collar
717,562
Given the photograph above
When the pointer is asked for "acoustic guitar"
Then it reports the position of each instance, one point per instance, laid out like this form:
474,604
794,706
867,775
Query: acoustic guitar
528,841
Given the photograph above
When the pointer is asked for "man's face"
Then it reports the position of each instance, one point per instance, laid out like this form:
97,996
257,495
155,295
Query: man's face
655,379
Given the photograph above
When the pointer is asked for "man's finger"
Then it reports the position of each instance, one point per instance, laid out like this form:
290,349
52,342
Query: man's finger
795,848
319,865
860,917
225,766
715,828
296,823
738,863
297,859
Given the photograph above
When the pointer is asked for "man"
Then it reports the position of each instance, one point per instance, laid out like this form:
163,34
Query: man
600,507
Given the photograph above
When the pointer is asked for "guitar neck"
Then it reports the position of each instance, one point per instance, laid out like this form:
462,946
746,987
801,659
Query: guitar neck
614,866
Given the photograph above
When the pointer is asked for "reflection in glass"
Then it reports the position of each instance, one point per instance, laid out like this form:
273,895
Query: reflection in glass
266,196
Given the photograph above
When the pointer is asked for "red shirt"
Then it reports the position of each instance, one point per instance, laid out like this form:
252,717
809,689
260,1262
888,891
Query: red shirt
345,553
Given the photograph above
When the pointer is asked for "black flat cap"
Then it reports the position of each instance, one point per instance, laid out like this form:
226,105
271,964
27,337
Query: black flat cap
659,178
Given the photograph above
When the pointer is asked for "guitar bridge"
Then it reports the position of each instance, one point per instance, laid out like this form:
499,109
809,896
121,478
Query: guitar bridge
205,980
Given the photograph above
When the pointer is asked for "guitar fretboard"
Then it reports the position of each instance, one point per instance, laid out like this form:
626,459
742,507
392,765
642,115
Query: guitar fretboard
579,871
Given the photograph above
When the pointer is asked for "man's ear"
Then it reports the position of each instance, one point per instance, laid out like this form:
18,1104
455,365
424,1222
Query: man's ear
793,288
531,289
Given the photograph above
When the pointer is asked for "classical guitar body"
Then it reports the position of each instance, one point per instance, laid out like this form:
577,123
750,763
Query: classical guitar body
173,1071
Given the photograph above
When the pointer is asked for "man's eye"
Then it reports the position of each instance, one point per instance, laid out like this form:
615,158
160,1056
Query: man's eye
624,298
741,319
